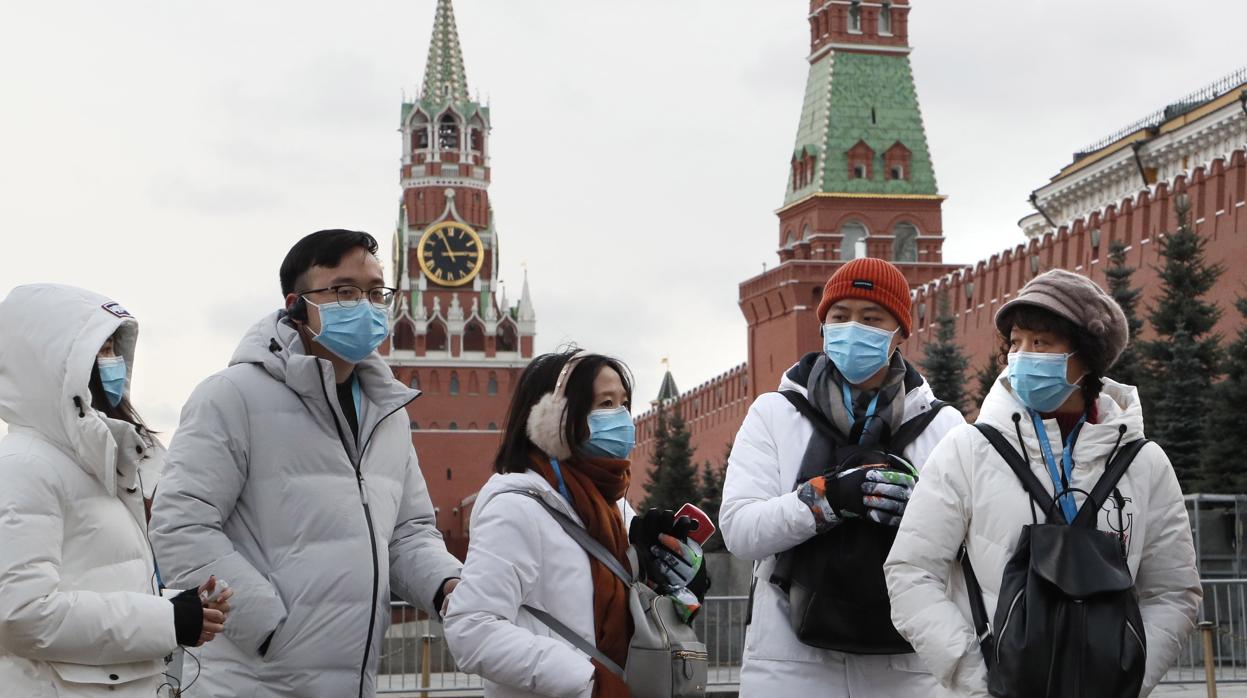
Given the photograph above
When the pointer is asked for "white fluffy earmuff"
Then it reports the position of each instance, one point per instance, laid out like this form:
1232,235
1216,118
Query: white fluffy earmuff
547,426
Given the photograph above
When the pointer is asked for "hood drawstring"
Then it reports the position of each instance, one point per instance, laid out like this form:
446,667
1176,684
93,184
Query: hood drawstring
273,346
1017,426
78,403
1118,499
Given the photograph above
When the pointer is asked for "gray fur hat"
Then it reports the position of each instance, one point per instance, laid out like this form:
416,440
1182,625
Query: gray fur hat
1079,300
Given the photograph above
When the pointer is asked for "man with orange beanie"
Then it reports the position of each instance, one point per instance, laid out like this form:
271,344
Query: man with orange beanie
816,485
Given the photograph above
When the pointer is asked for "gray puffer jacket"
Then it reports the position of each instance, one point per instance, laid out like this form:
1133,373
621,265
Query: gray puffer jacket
266,488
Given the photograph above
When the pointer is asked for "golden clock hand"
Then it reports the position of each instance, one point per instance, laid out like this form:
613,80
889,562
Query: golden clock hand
442,235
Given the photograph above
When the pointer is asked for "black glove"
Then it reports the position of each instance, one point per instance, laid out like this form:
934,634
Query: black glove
188,617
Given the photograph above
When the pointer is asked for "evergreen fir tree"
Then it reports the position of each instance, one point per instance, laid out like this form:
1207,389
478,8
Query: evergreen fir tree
987,376
1225,438
944,365
1183,406
1128,369
712,497
1182,359
673,480
662,435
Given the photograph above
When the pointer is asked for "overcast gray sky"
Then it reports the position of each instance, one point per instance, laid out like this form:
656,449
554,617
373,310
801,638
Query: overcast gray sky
167,153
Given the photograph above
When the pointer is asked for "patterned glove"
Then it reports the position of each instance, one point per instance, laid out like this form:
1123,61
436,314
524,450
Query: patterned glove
677,569
866,492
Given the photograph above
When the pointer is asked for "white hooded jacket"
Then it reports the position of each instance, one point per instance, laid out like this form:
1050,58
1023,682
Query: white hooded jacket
762,517
519,555
969,494
80,614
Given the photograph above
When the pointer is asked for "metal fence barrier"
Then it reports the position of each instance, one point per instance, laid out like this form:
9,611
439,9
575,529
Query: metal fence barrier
416,661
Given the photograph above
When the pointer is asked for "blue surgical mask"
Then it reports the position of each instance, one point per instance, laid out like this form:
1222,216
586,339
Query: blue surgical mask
1039,381
611,433
858,351
112,378
352,333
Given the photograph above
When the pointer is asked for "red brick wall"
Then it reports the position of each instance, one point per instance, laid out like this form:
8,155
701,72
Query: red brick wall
1218,211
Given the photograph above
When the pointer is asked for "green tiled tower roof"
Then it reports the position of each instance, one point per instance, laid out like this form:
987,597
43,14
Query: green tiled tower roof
444,77
853,97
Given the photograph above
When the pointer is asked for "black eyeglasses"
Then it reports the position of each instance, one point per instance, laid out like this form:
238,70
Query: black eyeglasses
349,296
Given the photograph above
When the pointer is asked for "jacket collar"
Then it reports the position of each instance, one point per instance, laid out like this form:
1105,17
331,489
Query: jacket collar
274,344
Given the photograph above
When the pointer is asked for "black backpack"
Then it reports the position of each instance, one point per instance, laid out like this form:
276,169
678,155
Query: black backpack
837,597
1067,618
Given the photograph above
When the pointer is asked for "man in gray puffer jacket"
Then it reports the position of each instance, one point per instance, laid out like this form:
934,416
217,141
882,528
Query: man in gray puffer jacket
293,478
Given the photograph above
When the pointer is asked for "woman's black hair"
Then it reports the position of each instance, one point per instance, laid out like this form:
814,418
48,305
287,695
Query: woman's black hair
537,380
1089,347
124,411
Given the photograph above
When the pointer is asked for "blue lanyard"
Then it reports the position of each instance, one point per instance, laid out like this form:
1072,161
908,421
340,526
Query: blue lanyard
558,473
848,404
359,400
1068,506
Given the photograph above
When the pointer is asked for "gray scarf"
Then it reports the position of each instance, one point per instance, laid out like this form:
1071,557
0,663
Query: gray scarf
827,398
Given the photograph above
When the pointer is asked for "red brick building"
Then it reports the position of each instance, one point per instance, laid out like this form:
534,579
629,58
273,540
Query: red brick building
455,336
862,184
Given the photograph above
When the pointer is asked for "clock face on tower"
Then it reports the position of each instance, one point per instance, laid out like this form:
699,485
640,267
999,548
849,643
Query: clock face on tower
450,253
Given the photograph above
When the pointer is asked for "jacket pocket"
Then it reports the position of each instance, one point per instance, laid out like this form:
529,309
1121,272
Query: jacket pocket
108,675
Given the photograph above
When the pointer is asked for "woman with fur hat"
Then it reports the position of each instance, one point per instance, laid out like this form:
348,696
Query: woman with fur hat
1057,415
81,613
567,440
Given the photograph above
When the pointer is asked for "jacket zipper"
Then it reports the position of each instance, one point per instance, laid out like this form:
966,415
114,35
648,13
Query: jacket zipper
372,534
372,537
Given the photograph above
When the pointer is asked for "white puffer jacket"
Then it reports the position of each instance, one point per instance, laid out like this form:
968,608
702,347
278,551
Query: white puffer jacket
970,494
520,556
79,610
762,517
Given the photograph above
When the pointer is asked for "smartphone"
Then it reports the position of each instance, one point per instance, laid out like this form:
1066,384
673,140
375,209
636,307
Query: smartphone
705,528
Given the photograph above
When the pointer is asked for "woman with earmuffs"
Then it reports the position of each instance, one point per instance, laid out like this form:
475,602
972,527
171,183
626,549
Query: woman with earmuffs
568,436
81,611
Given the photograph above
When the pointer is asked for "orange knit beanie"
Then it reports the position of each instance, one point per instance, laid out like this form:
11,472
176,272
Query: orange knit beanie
873,280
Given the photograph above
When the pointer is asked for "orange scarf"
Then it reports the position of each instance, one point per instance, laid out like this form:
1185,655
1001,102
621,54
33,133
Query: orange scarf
595,485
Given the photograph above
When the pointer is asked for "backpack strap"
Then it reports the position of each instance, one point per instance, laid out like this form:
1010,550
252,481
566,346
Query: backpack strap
581,536
1113,473
821,423
909,432
978,610
1020,468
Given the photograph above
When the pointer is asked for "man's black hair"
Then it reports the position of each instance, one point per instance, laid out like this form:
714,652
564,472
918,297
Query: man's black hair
323,248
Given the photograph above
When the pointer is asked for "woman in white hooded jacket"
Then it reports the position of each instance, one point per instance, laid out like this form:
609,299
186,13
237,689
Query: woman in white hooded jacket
80,610
1060,334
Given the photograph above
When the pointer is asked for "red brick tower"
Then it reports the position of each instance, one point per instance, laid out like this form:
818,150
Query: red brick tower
861,181
455,336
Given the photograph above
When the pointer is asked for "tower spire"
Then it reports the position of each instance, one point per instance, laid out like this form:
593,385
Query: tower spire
445,79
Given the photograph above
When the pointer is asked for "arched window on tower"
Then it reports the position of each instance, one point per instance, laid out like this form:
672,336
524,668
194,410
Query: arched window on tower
453,388
508,337
492,387
404,335
855,17
435,340
477,140
415,380
474,336
448,132
853,241
419,132
905,243
885,18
